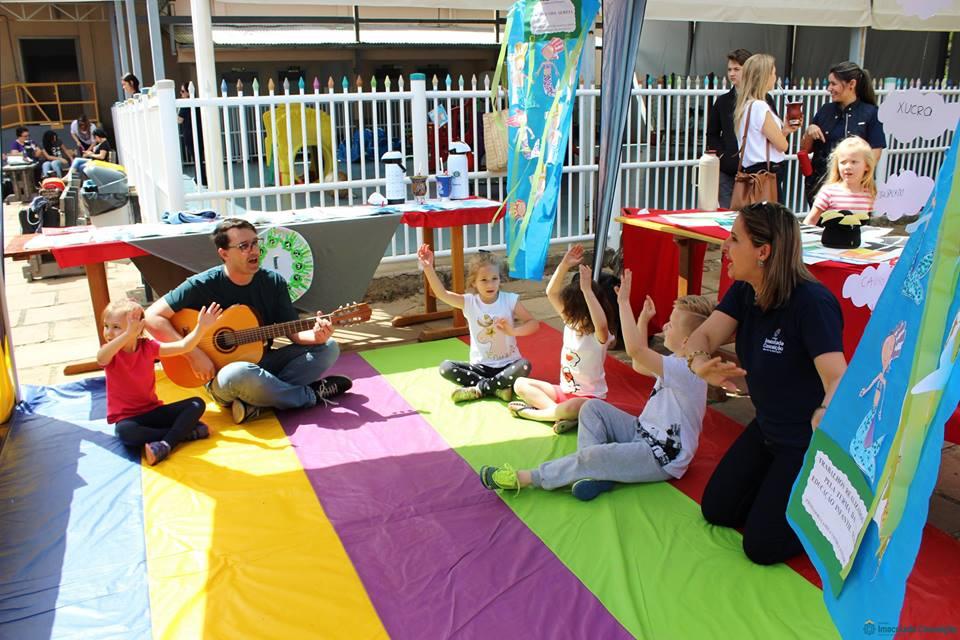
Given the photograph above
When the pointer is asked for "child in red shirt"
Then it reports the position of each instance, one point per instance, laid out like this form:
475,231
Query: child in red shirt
132,405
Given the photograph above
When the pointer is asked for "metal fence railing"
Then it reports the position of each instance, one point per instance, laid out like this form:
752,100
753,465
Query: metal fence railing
321,146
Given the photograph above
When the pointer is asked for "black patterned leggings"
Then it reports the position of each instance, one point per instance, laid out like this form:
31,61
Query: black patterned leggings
487,379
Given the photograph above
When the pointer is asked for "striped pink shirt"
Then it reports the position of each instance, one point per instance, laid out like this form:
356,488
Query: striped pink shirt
836,197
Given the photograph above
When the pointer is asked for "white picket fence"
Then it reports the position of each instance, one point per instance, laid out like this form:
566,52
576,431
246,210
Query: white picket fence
665,136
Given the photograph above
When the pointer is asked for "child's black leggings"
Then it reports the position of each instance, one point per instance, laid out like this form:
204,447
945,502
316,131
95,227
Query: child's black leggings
170,422
488,379
750,488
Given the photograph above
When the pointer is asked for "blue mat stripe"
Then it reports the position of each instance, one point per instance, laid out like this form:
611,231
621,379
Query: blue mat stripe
72,551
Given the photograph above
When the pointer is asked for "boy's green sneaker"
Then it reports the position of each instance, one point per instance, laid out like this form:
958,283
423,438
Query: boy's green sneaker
503,477
504,394
588,488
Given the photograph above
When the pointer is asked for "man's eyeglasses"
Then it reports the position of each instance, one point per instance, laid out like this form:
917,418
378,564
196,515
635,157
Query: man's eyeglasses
245,246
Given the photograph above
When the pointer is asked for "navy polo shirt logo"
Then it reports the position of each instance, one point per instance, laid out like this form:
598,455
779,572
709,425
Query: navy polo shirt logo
774,344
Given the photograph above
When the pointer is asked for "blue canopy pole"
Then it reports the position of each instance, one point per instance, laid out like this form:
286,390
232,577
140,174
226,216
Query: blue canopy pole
622,21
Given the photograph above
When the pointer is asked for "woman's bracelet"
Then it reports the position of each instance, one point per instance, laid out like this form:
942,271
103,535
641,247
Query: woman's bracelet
692,356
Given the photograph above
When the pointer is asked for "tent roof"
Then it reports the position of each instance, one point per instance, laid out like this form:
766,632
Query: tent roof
886,14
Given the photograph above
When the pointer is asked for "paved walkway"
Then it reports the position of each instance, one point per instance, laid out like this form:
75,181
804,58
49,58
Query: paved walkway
53,326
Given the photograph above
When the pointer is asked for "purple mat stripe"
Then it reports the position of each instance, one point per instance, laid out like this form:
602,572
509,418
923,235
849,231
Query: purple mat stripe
439,555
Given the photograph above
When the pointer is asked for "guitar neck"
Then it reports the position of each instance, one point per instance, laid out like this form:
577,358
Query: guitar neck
260,334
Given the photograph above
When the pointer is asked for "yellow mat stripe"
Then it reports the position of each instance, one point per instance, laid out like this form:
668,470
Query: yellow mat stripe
238,545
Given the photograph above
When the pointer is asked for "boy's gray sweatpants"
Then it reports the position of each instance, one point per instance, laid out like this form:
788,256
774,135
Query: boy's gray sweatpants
608,448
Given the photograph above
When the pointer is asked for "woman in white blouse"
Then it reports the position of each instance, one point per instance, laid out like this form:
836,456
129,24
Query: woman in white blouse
766,138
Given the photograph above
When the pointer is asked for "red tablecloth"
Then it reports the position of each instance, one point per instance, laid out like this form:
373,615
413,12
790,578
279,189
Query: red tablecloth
453,218
646,251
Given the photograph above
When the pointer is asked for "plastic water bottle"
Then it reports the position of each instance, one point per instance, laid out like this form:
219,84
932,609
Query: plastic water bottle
708,182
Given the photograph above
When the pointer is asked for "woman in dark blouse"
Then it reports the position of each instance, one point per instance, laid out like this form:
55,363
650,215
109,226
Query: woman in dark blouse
789,342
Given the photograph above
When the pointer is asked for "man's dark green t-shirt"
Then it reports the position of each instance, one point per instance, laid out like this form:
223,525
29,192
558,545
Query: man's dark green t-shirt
266,294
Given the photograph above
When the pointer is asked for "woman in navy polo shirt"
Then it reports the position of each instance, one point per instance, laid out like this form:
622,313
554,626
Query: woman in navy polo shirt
788,330
852,112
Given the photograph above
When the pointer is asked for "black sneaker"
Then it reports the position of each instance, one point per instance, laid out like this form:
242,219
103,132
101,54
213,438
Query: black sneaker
241,411
200,432
330,387
154,452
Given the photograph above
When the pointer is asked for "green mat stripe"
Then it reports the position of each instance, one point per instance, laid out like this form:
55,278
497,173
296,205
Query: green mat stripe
643,550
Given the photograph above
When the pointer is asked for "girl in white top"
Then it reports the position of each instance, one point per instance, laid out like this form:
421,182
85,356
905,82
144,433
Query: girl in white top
849,186
757,78
586,338
495,318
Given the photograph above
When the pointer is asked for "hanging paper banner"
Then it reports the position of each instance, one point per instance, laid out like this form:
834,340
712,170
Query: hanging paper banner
860,502
544,42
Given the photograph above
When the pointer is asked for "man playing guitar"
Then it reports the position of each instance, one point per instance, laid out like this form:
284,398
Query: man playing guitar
285,378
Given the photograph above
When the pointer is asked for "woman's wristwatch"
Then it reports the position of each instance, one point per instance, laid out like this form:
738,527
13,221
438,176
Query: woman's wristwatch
692,356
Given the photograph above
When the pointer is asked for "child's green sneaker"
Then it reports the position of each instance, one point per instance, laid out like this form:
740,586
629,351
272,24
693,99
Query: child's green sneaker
504,394
588,488
503,477
466,394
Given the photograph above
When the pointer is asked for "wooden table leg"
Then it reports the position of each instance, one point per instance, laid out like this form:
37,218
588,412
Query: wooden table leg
100,298
429,300
459,327
683,284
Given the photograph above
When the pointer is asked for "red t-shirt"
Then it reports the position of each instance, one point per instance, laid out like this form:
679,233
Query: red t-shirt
131,386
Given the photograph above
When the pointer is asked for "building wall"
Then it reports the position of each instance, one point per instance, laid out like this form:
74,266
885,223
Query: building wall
94,53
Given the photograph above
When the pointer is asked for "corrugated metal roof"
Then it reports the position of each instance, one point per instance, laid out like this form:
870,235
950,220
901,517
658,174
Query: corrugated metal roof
287,36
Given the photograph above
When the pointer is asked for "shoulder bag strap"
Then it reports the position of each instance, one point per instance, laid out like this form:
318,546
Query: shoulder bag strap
746,132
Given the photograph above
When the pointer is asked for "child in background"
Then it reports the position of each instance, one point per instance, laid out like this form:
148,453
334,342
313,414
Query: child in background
132,405
495,360
586,338
614,446
849,185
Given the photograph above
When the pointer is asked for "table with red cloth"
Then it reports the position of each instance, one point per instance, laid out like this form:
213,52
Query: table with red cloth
474,211
672,252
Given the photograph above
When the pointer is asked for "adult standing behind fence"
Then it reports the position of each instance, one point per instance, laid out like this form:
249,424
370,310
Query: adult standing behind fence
766,137
185,117
721,134
130,84
851,112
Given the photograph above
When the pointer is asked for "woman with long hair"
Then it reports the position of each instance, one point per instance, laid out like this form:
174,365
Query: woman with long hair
852,111
789,341
130,84
760,132
53,156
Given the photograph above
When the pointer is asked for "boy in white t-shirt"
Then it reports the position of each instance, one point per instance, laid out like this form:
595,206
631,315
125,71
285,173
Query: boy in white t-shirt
614,446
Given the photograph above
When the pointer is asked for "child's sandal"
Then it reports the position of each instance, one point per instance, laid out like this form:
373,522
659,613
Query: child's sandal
518,408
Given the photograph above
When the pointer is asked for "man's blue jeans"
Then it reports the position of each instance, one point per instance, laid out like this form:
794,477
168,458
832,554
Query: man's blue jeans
279,380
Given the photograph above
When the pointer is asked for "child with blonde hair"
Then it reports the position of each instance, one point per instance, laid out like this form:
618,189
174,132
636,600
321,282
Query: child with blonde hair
849,185
613,445
128,360
496,318
586,338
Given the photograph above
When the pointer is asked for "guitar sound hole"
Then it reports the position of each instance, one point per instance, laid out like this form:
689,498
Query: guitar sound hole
225,341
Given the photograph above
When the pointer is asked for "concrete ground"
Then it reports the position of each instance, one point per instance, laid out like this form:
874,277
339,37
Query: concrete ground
53,326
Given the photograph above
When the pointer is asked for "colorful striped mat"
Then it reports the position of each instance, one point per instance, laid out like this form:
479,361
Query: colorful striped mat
367,520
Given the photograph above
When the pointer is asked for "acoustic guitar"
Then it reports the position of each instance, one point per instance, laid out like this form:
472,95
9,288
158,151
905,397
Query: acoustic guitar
238,337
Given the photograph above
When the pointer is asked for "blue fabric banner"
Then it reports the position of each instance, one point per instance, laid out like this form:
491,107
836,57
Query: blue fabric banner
544,43
860,503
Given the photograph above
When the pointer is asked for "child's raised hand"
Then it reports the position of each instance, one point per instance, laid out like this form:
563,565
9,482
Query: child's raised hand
649,310
504,326
586,279
135,322
425,256
208,316
626,285
573,256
